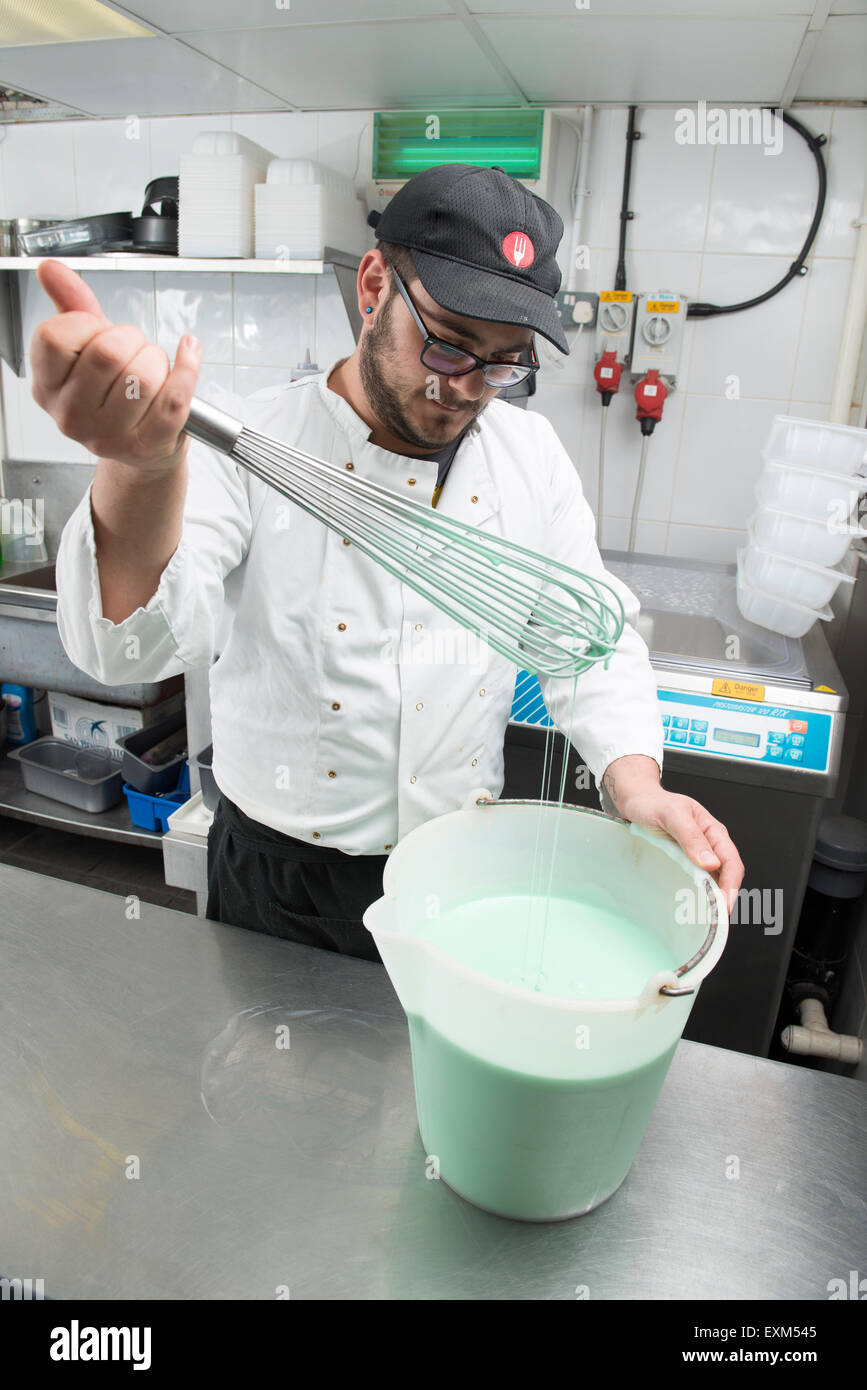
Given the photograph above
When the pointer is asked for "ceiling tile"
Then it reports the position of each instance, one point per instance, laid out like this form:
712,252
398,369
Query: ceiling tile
838,67
430,63
121,77
188,16
653,9
593,58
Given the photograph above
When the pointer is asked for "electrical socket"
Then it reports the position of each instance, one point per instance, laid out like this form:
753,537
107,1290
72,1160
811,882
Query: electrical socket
659,323
577,307
614,323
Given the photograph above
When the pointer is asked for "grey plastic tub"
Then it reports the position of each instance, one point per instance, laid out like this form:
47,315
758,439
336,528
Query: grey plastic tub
210,790
151,778
88,778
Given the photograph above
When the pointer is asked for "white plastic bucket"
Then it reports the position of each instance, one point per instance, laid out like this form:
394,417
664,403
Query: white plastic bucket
534,1106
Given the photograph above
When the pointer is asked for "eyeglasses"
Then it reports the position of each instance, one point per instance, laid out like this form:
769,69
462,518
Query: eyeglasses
447,360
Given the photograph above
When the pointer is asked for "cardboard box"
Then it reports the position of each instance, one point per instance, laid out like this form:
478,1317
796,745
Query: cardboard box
92,725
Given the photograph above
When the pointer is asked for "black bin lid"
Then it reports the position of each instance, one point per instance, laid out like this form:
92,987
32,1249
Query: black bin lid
842,843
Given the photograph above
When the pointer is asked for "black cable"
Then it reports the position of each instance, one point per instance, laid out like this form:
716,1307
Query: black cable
625,214
815,142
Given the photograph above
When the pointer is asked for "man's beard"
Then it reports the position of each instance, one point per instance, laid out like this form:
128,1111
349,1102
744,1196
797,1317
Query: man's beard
375,352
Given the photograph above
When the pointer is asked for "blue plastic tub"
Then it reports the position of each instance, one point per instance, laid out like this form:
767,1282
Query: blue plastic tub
152,812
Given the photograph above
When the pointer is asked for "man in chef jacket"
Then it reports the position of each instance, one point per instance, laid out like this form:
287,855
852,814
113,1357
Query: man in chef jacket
347,709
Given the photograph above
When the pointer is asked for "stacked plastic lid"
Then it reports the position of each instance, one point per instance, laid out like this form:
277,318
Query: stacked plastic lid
215,214
809,493
304,207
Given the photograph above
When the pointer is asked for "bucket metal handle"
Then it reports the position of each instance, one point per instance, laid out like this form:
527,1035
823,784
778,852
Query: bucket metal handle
668,990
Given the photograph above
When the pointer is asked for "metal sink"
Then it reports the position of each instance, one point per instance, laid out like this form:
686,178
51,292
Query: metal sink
703,638
32,654
21,577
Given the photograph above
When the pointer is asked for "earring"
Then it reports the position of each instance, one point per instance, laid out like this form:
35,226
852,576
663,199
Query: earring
369,309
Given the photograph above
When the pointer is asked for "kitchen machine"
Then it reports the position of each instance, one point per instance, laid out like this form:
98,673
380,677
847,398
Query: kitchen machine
754,726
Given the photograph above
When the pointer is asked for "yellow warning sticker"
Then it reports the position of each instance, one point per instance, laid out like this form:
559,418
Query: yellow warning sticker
737,690
663,306
617,296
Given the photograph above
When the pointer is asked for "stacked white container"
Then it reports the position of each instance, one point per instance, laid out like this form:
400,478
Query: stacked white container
215,209
809,494
304,207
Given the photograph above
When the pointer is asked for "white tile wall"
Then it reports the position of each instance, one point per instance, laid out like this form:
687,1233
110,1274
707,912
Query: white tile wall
199,304
715,222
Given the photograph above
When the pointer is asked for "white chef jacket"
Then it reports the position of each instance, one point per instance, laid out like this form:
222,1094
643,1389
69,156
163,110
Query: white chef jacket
346,709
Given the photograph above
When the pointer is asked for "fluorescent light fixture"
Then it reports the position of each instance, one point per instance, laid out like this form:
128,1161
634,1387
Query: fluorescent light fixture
24,23
512,139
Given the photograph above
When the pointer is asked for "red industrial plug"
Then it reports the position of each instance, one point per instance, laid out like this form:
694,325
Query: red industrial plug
650,394
607,373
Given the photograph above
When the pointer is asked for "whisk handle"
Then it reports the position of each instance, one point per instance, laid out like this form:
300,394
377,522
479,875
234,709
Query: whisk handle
212,426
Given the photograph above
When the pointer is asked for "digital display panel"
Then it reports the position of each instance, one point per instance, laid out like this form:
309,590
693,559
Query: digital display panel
737,736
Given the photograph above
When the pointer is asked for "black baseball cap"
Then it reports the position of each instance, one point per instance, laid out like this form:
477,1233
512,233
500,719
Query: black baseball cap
483,245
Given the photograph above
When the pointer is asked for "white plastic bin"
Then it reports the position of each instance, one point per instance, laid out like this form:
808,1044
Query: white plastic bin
817,444
804,537
829,497
776,614
798,580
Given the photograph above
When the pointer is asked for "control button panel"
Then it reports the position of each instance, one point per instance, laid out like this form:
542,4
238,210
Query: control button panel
755,732
717,726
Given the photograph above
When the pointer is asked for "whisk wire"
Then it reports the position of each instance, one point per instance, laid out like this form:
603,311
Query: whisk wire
536,611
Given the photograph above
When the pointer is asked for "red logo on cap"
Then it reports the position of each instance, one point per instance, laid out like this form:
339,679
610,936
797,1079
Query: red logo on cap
518,250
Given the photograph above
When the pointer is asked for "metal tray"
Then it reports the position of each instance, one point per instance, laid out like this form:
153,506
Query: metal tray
88,778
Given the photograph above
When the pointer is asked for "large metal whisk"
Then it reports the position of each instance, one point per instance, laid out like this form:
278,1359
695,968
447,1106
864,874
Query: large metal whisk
544,616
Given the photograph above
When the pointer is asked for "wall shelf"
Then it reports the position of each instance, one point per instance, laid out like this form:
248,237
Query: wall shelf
131,260
345,266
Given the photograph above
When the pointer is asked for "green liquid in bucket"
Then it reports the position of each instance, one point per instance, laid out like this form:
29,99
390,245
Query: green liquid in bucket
528,1147
584,951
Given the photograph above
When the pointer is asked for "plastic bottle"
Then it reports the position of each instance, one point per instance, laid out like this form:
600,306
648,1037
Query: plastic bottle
20,716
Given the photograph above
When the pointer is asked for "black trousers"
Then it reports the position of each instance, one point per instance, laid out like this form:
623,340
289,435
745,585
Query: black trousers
272,883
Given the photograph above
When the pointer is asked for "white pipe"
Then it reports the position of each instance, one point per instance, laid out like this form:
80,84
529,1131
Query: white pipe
815,1039
580,197
636,501
601,482
853,328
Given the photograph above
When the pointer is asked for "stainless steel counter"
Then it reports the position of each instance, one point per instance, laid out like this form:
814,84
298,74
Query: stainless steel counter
262,1167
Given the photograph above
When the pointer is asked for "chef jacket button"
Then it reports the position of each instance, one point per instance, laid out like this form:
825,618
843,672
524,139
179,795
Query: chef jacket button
332,774
474,499
350,467
420,705
341,627
482,691
418,627
411,482
389,846
316,835
475,760
412,779
346,542
335,704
